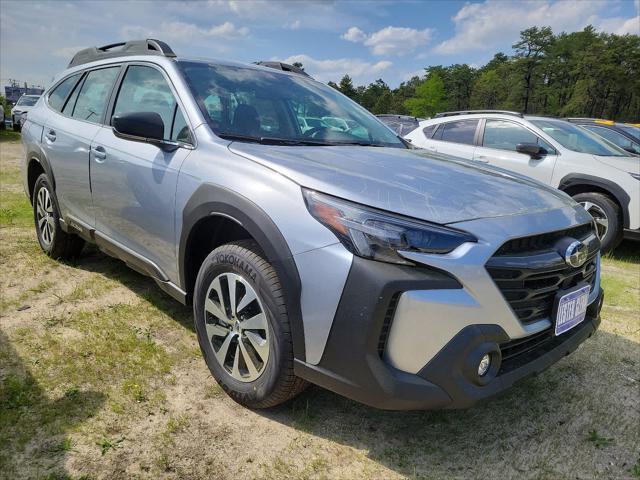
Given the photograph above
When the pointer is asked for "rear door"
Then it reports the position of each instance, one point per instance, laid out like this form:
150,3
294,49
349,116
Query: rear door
455,138
134,183
497,146
67,139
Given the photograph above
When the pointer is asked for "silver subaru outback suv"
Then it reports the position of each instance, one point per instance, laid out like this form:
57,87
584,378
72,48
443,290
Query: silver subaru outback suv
396,277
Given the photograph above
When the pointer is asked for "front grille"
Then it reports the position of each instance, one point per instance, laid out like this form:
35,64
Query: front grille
545,241
529,272
386,324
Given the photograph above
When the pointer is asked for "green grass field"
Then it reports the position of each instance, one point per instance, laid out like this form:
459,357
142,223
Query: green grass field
101,378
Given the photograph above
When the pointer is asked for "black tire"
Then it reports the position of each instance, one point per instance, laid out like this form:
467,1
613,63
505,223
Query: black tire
614,233
277,382
61,245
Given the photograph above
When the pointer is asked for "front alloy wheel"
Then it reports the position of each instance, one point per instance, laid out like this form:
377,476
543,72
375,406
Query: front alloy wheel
602,222
606,215
237,327
243,327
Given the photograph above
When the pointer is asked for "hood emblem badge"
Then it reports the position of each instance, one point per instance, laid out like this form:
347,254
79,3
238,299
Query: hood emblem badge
576,254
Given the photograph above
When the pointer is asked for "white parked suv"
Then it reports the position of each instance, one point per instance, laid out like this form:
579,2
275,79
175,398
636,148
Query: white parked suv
598,175
20,110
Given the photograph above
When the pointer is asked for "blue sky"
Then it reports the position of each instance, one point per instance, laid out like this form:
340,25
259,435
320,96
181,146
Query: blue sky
392,40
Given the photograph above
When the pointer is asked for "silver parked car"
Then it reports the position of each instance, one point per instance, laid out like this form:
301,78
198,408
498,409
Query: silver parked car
396,277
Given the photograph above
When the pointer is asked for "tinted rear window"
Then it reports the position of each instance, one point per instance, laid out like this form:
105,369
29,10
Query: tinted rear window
462,131
60,93
429,131
94,94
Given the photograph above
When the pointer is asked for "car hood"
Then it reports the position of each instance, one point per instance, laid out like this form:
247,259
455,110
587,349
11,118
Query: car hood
415,183
626,164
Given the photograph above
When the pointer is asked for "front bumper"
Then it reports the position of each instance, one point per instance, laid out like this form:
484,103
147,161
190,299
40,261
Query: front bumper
354,365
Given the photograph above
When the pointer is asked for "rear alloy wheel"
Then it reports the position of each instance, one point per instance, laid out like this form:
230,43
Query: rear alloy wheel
44,216
54,241
606,216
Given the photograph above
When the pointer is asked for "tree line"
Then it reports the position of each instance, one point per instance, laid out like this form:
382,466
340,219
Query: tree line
583,74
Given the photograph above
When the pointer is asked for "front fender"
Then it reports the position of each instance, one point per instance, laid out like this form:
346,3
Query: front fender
210,200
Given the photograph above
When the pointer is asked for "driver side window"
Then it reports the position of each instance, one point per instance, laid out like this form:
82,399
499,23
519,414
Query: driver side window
144,89
504,135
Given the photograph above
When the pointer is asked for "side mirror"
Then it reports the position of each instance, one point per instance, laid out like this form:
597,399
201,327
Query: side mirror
142,127
534,150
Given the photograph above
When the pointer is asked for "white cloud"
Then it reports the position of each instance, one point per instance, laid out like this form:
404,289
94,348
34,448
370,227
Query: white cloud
390,40
187,31
313,14
324,70
397,40
295,25
620,26
354,34
481,26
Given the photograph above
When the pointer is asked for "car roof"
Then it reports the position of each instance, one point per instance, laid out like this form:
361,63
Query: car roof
471,116
159,52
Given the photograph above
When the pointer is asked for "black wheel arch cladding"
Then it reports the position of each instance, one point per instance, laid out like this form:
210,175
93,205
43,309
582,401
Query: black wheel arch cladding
574,180
210,200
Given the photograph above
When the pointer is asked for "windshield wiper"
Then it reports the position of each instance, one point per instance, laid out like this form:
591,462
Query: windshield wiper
272,140
361,144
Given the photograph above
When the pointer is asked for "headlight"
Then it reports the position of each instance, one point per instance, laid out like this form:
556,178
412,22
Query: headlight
635,175
379,235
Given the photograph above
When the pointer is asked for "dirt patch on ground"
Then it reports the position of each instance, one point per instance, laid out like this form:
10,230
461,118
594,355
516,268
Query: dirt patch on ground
101,376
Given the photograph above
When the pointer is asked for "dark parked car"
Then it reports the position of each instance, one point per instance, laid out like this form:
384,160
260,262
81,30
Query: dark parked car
623,135
401,124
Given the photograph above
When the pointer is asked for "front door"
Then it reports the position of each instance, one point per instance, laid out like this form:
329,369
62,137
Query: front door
498,148
133,182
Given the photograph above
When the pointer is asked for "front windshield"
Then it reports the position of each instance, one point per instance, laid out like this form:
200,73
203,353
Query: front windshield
635,131
578,139
248,104
27,101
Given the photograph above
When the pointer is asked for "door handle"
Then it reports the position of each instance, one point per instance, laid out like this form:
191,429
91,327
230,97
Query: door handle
99,153
482,158
51,135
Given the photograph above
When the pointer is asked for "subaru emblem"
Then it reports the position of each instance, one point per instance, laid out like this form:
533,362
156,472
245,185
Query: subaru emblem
576,254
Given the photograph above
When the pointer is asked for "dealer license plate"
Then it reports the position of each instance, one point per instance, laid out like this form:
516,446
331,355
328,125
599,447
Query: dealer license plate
571,309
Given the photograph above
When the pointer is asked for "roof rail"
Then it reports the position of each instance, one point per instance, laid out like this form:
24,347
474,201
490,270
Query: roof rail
133,47
285,67
468,112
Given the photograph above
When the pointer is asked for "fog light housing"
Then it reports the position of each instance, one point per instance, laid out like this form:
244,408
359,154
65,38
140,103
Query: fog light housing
483,366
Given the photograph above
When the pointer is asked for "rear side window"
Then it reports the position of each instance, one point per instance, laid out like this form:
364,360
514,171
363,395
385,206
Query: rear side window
144,89
430,130
94,94
60,93
462,131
